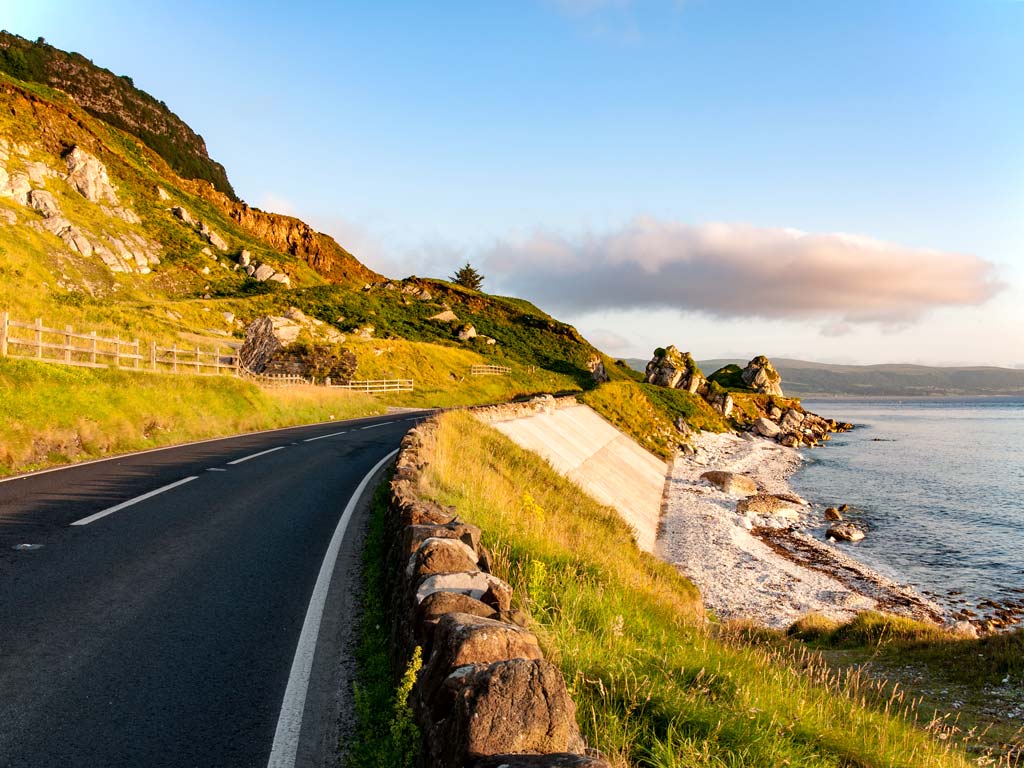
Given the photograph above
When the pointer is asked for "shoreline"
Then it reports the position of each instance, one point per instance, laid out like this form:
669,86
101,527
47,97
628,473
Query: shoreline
766,568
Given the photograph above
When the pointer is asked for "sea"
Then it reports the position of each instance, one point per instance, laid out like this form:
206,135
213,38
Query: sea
938,485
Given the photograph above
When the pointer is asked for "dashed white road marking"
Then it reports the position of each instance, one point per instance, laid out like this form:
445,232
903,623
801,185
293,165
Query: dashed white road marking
289,723
124,504
216,469
374,426
256,455
322,437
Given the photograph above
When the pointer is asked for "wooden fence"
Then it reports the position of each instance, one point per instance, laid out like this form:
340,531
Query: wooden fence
377,386
489,370
35,341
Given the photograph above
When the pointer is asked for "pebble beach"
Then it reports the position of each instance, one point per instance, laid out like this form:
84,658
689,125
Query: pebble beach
770,569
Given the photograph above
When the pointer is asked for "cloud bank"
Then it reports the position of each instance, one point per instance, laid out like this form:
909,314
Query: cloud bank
740,271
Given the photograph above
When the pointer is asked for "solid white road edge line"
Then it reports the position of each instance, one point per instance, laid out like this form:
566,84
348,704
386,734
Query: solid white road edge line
289,723
255,455
111,510
322,437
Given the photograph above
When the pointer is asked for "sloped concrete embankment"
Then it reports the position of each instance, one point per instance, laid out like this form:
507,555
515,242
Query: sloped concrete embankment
582,446
486,696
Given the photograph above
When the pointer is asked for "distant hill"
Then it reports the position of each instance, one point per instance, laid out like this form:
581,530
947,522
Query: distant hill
803,378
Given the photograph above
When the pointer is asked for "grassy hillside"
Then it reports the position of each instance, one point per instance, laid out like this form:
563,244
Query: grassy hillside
654,686
54,414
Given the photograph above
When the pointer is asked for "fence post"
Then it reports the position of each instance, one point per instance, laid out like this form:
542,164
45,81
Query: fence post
67,343
5,320
135,360
197,361
39,337
174,352
117,351
152,355
92,347
216,360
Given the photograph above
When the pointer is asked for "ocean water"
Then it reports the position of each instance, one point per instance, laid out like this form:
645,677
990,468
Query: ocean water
939,487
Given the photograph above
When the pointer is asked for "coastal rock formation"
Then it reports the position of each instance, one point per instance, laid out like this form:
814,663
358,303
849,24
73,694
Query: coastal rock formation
845,532
722,402
766,427
676,370
766,504
833,514
761,376
731,482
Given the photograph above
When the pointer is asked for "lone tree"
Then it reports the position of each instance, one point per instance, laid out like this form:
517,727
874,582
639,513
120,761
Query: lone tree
468,277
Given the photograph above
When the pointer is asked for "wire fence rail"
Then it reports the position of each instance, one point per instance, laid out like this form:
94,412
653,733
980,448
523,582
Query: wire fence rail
66,346
489,370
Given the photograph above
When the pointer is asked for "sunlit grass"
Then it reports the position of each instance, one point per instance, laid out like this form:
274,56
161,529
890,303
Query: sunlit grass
54,414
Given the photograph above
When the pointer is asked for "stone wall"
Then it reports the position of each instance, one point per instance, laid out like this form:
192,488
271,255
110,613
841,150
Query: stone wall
485,696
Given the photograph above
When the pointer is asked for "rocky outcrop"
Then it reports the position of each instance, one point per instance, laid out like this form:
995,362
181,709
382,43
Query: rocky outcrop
766,427
597,370
290,235
445,316
467,332
760,375
89,176
298,345
731,482
676,370
845,532
769,505
486,695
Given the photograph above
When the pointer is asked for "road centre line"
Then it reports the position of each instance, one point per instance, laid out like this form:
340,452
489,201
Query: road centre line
321,437
256,455
124,504
216,469
285,750
374,426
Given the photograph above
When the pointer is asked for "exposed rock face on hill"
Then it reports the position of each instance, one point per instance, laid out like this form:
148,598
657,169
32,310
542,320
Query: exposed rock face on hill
760,375
295,237
676,370
117,101
24,181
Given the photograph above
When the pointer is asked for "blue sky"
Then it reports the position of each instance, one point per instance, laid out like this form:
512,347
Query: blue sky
621,161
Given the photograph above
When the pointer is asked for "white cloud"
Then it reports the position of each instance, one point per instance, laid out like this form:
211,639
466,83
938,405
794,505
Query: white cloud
738,270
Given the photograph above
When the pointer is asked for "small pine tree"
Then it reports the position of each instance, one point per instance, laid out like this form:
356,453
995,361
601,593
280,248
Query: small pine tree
468,277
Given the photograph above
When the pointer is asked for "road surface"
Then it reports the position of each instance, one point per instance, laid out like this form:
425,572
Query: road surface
166,609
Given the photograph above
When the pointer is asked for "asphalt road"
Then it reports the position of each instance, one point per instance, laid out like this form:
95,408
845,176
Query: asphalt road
165,632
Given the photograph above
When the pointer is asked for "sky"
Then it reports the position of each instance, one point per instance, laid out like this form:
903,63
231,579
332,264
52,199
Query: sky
841,182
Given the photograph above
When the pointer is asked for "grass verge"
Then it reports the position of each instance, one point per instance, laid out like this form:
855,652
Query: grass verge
385,734
654,687
647,413
54,414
